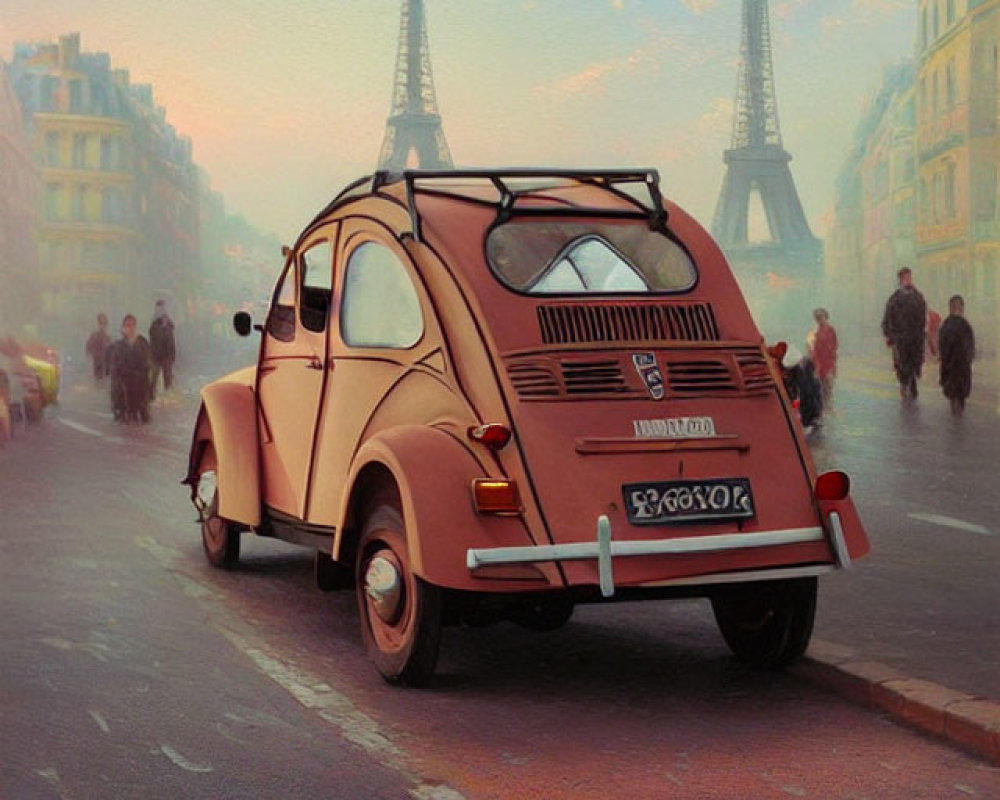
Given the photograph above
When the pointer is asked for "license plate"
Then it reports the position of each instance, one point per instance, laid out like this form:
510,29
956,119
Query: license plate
666,502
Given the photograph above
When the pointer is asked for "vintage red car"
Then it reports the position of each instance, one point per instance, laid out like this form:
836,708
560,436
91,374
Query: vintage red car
487,395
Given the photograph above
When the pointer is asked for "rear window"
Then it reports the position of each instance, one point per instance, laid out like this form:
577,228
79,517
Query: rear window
560,257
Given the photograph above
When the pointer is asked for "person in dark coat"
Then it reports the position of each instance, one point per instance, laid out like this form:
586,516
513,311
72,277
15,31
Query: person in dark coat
956,348
163,347
97,346
130,363
903,326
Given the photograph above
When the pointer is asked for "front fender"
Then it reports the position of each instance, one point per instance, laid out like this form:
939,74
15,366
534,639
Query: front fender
227,427
434,472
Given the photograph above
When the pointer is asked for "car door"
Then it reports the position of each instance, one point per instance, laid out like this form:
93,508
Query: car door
382,331
292,372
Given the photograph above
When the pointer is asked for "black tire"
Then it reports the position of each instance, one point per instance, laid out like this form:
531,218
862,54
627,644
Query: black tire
401,627
219,537
767,624
547,614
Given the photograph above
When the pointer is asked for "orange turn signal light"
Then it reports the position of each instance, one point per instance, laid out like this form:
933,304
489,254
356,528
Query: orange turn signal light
834,485
495,496
494,435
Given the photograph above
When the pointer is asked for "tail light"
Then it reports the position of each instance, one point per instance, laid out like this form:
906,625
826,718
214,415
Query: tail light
834,485
492,434
495,496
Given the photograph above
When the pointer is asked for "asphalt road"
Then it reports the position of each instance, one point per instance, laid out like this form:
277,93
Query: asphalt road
130,668
925,600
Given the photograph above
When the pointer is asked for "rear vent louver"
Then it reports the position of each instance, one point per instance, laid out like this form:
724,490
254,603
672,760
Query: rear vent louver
542,379
593,377
533,380
755,370
689,322
699,377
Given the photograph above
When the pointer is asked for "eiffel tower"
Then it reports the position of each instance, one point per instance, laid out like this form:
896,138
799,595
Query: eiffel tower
757,166
414,125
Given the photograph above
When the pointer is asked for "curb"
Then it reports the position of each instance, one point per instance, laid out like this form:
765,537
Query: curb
969,722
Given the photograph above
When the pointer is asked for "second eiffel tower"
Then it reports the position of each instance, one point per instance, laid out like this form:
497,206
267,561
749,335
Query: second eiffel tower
414,136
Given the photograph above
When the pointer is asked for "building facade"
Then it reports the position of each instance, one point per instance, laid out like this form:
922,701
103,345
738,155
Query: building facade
921,187
957,232
118,221
872,233
19,290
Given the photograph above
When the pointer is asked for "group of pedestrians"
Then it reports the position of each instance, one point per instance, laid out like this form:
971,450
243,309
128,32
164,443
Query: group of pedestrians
914,332
133,364
909,329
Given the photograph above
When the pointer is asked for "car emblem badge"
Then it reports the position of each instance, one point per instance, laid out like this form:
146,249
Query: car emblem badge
649,371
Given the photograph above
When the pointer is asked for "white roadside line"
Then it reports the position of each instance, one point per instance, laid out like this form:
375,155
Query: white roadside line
951,522
310,691
78,427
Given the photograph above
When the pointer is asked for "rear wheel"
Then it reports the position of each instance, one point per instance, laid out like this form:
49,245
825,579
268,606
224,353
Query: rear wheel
219,537
767,624
543,614
401,615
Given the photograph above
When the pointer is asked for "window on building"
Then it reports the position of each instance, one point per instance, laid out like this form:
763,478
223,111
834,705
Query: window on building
937,19
923,28
995,88
52,149
923,98
935,95
112,206
47,97
76,96
950,210
985,195
924,202
937,197
950,13
79,150
80,202
52,192
950,84
106,152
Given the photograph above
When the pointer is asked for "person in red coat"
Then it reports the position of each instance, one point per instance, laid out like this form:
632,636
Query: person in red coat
823,352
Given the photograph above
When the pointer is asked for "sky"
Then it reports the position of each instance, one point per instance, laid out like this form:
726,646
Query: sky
285,101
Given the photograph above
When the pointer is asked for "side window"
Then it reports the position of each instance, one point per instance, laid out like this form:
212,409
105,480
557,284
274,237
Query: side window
281,317
380,307
317,283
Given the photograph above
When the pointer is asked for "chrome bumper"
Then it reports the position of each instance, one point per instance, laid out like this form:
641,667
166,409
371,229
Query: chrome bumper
604,549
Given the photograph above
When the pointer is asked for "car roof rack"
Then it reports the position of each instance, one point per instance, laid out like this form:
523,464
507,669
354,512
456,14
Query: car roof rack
506,206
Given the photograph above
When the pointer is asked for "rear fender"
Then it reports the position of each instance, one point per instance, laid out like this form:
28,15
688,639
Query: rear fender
433,474
225,439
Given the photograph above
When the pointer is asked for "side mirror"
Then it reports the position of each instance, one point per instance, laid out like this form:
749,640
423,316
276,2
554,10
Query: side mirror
243,323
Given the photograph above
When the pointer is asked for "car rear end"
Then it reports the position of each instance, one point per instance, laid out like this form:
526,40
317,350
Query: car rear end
651,432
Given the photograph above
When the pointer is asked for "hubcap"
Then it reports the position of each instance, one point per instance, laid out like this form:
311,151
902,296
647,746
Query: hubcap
384,588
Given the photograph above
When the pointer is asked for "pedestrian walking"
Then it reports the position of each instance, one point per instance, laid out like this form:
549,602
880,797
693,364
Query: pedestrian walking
130,362
957,348
97,347
163,347
903,325
822,343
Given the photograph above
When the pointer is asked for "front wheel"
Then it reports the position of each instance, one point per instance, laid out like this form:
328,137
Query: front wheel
219,537
767,624
401,615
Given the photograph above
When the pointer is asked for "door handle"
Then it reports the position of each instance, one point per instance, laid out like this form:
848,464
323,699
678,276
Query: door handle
314,363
